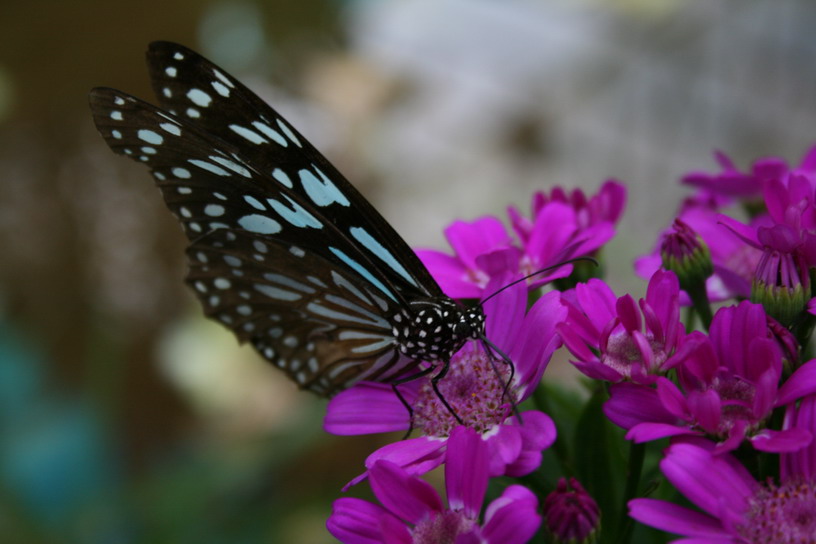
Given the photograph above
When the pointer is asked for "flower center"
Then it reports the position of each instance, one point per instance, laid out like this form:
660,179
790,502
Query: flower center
622,353
441,528
474,391
737,397
784,514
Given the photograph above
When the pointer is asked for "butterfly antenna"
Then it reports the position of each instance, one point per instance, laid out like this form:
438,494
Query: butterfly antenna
537,272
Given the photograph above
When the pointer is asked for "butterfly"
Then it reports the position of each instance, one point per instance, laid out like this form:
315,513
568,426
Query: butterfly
283,250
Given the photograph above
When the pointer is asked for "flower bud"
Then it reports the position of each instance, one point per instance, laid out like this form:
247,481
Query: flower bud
571,515
686,254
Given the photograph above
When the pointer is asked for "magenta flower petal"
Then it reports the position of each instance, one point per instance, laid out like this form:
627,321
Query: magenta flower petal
630,404
415,455
538,433
406,496
744,232
802,382
357,521
536,340
800,464
450,273
598,371
504,448
706,409
367,408
781,441
469,240
645,432
678,519
628,312
505,311
513,517
466,471
672,399
597,300
706,480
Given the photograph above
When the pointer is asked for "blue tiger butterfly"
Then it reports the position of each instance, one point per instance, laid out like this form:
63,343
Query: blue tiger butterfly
283,250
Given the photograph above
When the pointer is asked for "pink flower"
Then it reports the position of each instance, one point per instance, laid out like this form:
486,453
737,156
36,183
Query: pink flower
733,261
728,386
735,507
413,512
616,339
562,227
474,391
732,183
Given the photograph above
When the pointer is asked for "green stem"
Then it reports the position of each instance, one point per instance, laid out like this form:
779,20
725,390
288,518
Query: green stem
637,453
700,303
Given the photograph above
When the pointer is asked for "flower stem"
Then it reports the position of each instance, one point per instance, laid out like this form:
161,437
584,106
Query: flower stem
637,453
700,303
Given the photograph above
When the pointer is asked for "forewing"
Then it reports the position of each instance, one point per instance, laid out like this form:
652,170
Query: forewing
208,184
198,91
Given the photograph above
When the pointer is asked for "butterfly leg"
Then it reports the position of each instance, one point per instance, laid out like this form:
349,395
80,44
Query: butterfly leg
406,379
492,349
435,384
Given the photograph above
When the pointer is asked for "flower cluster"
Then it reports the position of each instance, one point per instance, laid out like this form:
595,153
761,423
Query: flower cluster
723,397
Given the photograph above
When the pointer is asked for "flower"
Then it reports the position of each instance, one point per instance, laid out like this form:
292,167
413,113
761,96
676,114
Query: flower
736,508
562,227
687,255
788,245
732,183
571,515
604,207
728,386
733,261
615,339
413,513
482,391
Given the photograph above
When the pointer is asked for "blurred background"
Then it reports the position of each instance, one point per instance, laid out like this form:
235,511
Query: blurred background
125,417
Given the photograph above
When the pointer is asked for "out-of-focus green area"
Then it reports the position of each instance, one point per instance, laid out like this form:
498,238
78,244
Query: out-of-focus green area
125,417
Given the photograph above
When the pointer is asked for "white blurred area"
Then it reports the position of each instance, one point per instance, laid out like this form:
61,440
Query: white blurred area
452,109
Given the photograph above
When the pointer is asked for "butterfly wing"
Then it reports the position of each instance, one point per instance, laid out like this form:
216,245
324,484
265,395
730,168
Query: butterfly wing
237,176
322,326
198,91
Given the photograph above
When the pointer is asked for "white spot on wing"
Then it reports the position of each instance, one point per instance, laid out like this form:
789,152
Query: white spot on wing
288,131
173,129
232,165
259,224
199,97
277,293
208,166
249,135
254,202
323,192
214,210
281,176
150,136
270,133
374,246
221,89
296,215
181,173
